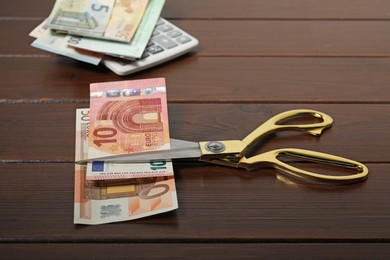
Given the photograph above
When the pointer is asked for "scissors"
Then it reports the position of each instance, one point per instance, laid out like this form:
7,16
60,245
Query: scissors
233,153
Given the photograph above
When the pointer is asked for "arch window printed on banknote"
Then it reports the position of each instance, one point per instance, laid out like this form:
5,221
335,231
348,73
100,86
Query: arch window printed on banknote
128,117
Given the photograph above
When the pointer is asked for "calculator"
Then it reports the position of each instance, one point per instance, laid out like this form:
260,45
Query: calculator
167,42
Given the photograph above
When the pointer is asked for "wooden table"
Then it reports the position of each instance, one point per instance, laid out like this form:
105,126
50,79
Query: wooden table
256,58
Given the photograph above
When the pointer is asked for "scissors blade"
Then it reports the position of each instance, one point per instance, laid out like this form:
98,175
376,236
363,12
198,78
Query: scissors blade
179,149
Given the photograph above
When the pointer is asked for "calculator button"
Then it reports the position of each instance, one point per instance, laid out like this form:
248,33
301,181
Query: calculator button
149,44
183,39
165,42
164,28
154,49
174,34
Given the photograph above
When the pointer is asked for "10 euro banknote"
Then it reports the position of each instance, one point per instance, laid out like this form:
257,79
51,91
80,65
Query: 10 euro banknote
128,117
105,201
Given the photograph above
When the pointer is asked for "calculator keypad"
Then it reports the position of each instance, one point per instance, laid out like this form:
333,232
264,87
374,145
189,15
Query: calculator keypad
165,37
167,41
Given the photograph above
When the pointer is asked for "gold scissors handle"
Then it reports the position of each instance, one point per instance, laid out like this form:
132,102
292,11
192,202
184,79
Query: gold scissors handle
274,125
271,158
232,152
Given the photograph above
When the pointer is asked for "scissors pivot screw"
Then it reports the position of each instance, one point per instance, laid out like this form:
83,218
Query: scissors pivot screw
215,147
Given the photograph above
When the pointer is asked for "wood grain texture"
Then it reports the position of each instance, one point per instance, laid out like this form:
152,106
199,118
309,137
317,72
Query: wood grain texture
215,204
252,37
46,131
197,79
194,251
256,58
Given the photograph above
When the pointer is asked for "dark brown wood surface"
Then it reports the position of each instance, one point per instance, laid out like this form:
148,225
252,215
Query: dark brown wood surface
256,58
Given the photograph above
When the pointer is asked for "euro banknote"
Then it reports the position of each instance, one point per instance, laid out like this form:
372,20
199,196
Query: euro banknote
106,201
57,43
87,17
127,117
137,45
125,19
107,19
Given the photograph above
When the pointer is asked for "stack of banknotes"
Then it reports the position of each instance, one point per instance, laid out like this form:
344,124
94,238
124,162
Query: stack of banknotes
124,117
86,30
